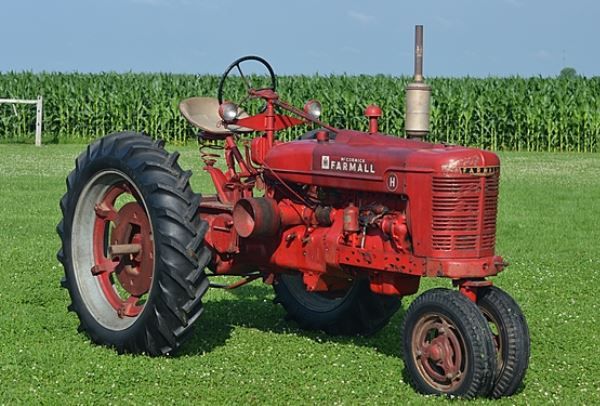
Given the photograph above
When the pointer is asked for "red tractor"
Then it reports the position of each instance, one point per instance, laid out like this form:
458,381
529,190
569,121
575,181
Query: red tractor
342,223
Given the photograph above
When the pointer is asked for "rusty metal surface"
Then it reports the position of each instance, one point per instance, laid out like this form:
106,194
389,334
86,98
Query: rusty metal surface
128,254
439,348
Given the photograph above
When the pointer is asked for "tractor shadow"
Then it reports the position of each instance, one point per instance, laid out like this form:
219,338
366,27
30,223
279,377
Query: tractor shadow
252,307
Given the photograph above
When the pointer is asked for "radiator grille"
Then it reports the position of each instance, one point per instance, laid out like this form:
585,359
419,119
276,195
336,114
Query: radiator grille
464,212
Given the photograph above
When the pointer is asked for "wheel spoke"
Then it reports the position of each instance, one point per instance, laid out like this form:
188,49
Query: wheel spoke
135,219
438,351
106,266
241,103
248,84
124,188
452,356
106,211
129,307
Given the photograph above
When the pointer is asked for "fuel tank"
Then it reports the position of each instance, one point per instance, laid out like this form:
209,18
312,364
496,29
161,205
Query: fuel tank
373,162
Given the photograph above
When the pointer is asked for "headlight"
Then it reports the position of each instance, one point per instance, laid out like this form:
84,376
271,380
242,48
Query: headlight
313,108
228,112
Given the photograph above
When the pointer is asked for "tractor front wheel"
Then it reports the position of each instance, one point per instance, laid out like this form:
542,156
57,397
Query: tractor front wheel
511,338
132,245
355,311
448,346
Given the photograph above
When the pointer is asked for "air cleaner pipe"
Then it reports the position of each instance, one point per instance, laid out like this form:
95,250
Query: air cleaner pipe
418,53
418,95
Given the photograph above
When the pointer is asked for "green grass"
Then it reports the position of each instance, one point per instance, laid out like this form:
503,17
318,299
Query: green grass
244,352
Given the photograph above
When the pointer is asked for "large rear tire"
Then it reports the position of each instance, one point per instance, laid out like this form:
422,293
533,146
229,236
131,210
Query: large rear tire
356,311
132,245
448,346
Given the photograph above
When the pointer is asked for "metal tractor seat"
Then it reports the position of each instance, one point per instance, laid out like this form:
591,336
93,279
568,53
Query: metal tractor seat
203,113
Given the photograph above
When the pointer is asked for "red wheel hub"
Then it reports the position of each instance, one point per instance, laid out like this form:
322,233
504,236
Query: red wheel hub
123,250
439,351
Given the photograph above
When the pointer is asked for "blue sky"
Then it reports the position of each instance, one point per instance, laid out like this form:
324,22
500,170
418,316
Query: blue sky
462,37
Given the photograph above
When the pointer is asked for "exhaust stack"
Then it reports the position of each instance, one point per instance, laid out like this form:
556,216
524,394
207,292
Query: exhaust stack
418,95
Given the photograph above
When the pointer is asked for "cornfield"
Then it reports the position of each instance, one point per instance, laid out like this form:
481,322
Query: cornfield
532,114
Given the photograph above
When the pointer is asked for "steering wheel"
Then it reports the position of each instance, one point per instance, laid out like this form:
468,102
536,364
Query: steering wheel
236,64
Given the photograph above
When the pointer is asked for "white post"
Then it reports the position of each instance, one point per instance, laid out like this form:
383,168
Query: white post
38,122
38,116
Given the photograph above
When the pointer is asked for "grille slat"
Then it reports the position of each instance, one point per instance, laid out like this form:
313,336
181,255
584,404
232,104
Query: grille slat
458,223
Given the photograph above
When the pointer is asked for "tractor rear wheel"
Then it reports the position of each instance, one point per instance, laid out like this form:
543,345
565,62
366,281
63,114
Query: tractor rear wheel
448,346
355,311
511,338
132,245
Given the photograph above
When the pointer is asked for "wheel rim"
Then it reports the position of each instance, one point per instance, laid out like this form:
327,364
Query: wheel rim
439,352
498,341
113,249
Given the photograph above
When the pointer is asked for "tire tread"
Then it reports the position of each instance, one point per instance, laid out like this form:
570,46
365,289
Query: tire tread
176,299
516,359
476,331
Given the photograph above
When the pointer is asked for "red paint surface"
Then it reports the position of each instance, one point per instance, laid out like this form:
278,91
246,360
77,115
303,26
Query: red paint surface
397,209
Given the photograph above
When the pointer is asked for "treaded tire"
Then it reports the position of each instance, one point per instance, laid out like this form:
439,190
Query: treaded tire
359,311
512,334
173,302
464,329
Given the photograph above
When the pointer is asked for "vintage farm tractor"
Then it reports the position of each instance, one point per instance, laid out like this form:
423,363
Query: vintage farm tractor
342,223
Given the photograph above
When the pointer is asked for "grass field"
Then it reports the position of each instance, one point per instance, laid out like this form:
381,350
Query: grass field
243,352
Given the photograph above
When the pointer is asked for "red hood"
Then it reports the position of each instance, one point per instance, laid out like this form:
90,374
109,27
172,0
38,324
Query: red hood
361,157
